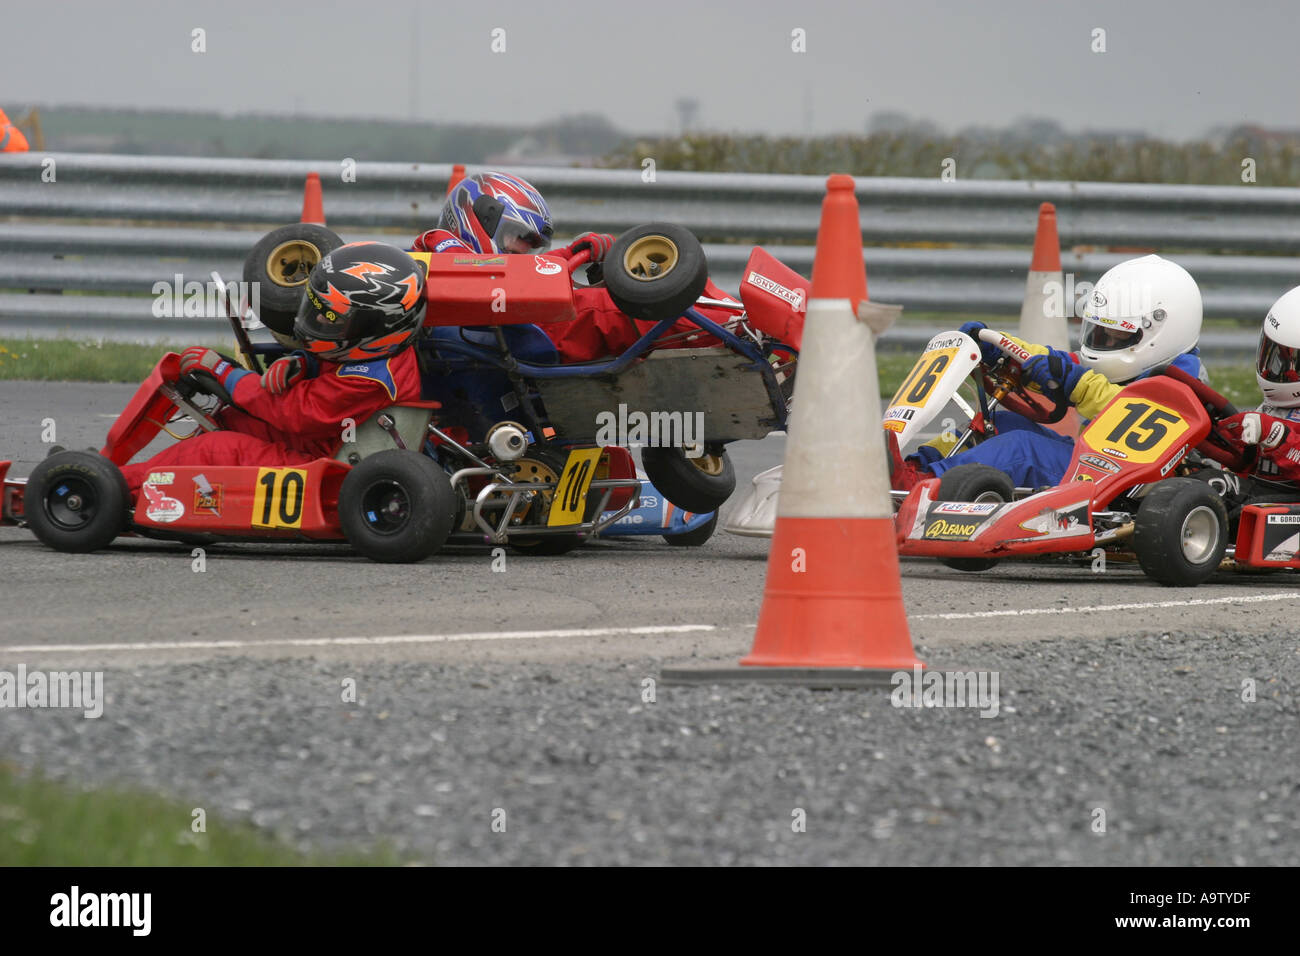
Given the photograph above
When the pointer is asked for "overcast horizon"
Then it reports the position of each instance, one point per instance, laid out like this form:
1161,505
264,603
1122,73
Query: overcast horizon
1170,70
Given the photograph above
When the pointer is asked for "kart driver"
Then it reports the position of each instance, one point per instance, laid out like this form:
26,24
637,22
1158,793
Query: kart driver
1143,315
493,212
363,307
1275,425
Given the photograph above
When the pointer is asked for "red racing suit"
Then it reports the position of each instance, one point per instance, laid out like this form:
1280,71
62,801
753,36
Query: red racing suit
1279,441
601,328
303,424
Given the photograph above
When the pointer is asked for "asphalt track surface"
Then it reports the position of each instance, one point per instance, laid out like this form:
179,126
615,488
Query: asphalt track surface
524,691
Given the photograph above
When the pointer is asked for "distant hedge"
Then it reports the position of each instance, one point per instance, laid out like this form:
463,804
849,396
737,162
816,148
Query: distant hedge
1092,159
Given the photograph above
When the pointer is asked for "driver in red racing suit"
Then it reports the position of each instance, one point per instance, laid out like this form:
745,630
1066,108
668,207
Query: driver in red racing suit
363,307
492,213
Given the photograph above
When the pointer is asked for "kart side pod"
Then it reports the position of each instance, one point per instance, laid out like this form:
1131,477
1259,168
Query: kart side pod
1269,536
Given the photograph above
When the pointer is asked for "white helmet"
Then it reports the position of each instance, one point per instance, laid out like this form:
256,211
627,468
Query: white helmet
1277,369
1141,315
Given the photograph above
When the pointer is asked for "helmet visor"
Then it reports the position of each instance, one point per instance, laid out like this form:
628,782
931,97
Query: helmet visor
1277,363
517,237
1108,338
316,320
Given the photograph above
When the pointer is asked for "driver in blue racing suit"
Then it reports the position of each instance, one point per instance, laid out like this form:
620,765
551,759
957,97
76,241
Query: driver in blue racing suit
1143,316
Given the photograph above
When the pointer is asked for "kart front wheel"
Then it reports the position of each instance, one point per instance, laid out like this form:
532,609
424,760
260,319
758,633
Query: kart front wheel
978,483
700,484
76,501
1181,532
656,271
397,507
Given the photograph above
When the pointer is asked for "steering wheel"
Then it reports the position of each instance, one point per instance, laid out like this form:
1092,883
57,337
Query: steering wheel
1218,445
1002,382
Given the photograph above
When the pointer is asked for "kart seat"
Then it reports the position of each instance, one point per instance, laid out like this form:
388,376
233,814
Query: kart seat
410,421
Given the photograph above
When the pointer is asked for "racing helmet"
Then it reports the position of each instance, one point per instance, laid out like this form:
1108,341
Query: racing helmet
1277,368
497,212
363,301
1141,315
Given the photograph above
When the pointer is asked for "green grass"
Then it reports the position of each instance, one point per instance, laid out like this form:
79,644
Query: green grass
72,360
50,824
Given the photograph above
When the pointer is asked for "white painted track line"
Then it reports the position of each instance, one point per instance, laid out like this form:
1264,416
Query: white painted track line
344,641
1098,608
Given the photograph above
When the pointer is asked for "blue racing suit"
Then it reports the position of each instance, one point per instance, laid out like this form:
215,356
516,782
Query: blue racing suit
1032,455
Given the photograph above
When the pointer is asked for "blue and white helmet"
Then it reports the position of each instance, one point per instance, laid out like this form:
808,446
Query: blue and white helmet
496,212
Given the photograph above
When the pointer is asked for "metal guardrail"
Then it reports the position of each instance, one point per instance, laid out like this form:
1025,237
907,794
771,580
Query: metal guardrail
80,254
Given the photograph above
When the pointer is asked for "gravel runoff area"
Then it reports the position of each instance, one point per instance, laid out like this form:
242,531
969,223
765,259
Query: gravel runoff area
575,767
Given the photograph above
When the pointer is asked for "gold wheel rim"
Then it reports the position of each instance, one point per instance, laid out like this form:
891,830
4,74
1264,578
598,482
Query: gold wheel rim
709,464
291,262
532,471
650,258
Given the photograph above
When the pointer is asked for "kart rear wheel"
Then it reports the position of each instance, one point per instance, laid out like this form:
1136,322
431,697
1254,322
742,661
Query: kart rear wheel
546,465
656,271
397,507
696,537
977,483
76,501
1181,532
280,264
700,484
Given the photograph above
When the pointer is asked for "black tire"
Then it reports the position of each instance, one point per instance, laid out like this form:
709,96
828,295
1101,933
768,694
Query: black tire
974,483
76,501
699,484
655,271
279,264
397,507
693,539
547,464
1181,532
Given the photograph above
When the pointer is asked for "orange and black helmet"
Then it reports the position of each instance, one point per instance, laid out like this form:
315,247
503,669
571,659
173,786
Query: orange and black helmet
363,301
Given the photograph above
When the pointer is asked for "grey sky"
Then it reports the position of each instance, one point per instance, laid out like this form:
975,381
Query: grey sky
1172,69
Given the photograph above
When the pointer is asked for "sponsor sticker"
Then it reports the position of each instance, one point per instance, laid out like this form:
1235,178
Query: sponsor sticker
161,507
546,267
966,507
1059,522
207,497
905,414
1169,466
1114,451
895,426
1101,464
161,477
479,261
794,296
1284,519
945,530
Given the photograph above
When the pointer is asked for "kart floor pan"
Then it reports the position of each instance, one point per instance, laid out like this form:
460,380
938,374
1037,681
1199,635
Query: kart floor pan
714,381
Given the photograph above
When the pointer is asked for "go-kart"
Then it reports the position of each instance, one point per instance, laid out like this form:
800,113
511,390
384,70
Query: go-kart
486,358
405,485
1128,487
397,490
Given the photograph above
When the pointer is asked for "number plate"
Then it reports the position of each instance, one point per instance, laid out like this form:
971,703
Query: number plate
920,382
1139,431
570,501
278,497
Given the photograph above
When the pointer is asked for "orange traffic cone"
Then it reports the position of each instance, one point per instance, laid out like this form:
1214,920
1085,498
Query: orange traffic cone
457,174
833,610
1042,320
313,206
